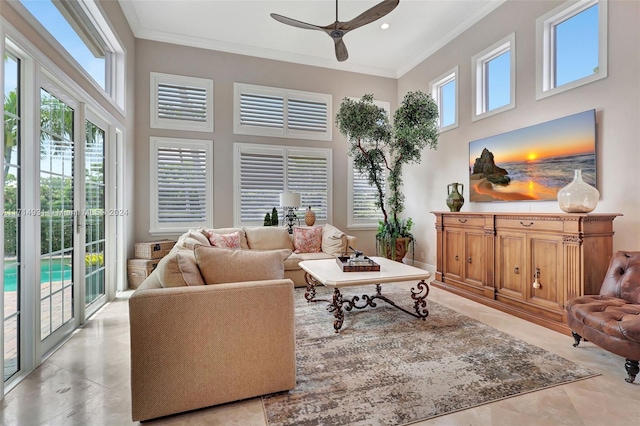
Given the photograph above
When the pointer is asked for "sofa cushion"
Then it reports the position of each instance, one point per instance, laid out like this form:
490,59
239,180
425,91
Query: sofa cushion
230,241
243,237
315,256
179,269
307,240
220,265
191,238
268,238
334,241
291,262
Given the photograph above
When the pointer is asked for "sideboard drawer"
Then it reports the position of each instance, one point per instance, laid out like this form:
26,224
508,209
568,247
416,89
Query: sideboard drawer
463,221
530,224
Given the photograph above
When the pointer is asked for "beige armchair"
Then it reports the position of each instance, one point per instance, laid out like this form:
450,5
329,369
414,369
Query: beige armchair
197,346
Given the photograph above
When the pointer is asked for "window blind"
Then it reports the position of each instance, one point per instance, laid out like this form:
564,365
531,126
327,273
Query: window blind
261,182
261,110
307,175
263,172
181,103
365,197
269,111
182,184
178,102
306,115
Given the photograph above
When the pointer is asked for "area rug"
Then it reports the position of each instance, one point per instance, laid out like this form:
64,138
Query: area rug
388,368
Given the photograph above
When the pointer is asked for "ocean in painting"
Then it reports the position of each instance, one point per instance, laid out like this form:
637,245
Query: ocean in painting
553,172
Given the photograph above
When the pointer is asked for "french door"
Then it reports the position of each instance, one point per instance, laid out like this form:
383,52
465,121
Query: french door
62,256
59,240
71,215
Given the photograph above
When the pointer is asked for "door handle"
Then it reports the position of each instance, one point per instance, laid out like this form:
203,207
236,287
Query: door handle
469,260
456,258
536,275
516,270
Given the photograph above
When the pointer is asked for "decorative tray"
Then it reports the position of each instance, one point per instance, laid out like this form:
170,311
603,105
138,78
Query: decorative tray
365,265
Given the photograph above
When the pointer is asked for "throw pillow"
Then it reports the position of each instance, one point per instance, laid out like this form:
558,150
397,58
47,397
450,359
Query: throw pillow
179,269
307,240
268,238
219,265
230,241
334,241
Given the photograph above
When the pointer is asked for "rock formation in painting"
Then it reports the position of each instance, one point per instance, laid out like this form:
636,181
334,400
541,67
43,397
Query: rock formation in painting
485,166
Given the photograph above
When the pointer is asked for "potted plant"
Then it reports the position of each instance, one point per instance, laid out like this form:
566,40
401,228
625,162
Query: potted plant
380,149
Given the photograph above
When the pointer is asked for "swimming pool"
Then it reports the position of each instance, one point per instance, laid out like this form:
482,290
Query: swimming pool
53,272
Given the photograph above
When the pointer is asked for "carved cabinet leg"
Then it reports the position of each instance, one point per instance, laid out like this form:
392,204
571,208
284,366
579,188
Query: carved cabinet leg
632,370
576,339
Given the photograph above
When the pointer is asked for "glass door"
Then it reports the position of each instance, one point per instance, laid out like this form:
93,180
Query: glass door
94,215
57,217
12,217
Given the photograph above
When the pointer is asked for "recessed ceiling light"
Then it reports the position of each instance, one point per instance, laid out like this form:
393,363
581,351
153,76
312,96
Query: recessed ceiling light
385,26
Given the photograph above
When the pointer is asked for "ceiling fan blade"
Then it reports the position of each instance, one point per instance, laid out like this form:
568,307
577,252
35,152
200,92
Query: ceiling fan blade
295,23
370,15
341,50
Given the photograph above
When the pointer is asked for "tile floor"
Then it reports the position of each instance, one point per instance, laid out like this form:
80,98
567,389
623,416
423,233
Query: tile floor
86,382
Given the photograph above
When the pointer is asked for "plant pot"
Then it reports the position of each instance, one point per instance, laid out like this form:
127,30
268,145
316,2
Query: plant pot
401,249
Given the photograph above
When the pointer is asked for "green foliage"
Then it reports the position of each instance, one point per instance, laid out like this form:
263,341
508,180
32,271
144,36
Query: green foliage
379,148
93,259
274,217
267,220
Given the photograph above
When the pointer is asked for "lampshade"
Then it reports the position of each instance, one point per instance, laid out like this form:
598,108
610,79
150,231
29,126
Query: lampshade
290,199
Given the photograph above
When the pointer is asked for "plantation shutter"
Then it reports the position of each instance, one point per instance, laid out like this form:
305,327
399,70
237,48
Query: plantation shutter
263,172
307,174
176,102
181,179
261,110
182,185
261,182
364,199
306,115
181,103
275,112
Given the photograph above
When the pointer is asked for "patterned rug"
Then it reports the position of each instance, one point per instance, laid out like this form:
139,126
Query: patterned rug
388,368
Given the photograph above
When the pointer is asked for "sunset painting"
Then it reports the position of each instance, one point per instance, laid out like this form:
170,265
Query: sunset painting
534,162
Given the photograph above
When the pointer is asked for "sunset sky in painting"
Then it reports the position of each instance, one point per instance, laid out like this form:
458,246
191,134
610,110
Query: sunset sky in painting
570,135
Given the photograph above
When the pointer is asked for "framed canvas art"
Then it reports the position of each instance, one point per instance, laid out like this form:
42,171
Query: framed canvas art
534,162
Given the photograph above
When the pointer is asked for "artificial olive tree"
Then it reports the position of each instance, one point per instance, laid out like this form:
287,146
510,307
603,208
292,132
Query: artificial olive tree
380,148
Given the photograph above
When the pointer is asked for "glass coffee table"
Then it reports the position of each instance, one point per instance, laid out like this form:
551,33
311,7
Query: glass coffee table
328,273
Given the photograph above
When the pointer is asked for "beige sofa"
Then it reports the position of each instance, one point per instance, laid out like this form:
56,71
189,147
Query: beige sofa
334,243
195,345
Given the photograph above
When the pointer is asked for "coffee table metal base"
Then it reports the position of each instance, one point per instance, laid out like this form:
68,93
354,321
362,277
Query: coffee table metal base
338,304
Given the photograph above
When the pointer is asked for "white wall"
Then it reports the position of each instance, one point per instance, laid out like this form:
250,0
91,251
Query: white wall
616,100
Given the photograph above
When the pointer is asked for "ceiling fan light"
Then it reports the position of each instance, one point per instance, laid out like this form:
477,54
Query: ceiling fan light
385,25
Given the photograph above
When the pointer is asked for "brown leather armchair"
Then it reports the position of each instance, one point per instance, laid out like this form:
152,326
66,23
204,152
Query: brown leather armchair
611,319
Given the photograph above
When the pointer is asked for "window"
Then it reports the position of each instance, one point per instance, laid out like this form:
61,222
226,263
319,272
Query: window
181,103
269,111
182,170
262,172
363,212
495,77
84,37
571,46
444,90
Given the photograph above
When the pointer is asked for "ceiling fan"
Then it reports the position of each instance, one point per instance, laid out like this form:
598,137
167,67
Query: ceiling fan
338,29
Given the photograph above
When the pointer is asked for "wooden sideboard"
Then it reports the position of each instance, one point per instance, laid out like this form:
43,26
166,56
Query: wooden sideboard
525,264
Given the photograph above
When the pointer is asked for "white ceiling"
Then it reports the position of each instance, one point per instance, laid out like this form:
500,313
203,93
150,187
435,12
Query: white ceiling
418,29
